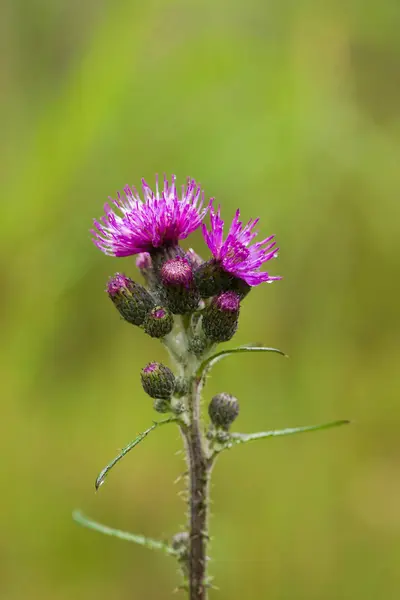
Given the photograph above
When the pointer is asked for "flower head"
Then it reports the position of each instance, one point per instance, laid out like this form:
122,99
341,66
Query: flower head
237,255
133,226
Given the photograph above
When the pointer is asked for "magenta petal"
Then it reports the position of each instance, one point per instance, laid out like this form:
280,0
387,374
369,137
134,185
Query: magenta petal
161,220
237,255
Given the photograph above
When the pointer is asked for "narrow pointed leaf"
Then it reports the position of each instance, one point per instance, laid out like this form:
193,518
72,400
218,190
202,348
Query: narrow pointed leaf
123,535
104,472
242,438
208,364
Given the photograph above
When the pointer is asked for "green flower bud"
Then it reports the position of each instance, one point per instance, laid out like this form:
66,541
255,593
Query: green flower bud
220,319
223,410
159,322
199,345
181,386
132,300
158,381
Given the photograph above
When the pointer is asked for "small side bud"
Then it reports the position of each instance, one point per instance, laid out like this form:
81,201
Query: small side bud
211,279
132,300
144,262
181,387
158,381
223,410
199,345
220,320
180,293
159,322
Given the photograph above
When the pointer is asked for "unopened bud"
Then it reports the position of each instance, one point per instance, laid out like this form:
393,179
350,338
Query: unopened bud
220,320
132,300
181,387
158,381
159,322
199,345
223,410
211,279
181,295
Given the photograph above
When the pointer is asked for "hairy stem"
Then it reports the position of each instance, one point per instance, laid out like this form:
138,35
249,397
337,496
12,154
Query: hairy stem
198,494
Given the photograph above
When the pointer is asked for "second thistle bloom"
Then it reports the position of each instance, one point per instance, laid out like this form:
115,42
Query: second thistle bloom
131,226
237,255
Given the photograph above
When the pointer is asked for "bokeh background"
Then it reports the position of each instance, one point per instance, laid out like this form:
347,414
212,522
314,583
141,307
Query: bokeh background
289,110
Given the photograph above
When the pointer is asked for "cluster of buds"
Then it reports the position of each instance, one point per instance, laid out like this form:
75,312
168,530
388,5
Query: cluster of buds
181,291
175,289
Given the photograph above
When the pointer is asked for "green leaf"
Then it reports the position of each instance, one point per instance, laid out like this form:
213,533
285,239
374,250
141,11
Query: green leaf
103,474
242,438
208,364
123,535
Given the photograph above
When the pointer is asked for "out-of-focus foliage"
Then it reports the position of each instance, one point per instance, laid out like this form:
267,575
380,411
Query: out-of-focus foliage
289,110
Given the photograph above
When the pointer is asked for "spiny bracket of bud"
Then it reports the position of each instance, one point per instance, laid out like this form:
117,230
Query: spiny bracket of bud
223,410
220,319
159,322
181,295
211,279
132,300
158,381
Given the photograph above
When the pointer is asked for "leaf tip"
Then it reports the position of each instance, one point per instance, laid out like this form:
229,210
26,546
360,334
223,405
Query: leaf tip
99,482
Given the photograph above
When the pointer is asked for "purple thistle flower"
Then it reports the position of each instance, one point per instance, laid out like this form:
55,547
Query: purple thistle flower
236,254
161,220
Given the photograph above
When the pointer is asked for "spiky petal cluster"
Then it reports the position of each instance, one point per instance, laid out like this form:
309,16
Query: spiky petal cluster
161,220
237,255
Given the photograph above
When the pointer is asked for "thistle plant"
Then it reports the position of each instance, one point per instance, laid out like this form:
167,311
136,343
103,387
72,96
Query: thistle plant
191,305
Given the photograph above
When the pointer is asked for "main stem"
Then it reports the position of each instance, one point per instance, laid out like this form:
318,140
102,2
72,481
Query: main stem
198,494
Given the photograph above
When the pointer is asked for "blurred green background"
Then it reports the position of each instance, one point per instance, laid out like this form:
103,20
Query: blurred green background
290,110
